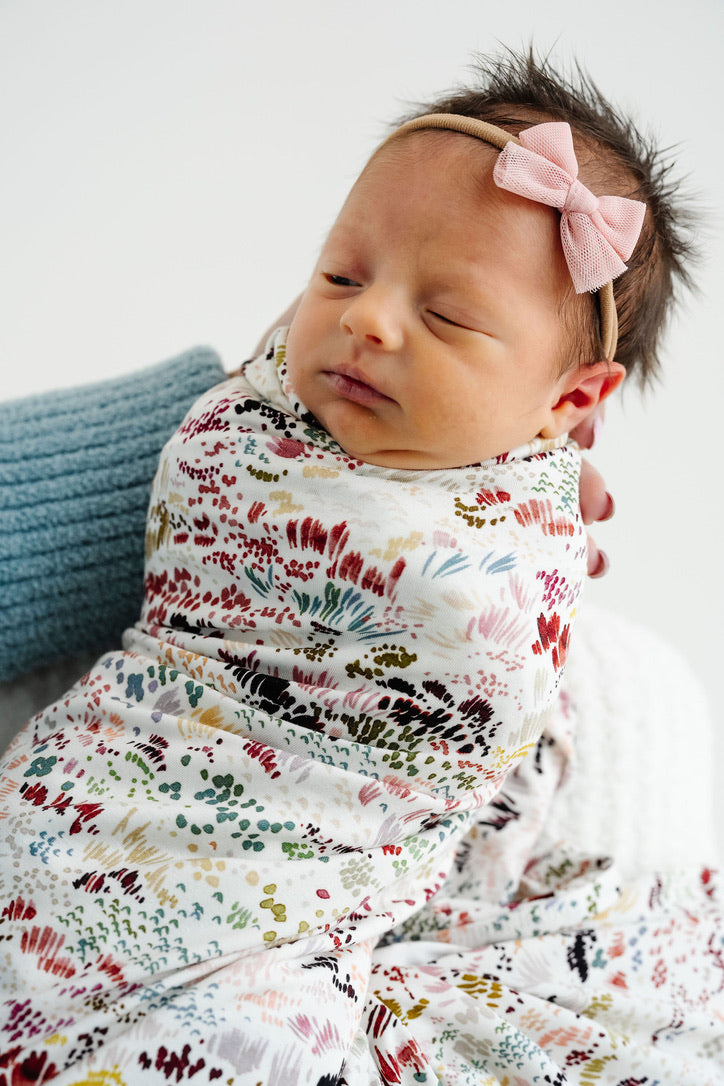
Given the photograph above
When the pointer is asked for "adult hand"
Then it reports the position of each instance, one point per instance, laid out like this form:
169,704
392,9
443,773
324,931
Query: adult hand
596,502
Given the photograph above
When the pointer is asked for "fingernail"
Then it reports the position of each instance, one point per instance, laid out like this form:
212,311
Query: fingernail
602,566
610,508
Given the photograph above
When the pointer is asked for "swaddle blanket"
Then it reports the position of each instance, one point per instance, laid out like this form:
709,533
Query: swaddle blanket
299,758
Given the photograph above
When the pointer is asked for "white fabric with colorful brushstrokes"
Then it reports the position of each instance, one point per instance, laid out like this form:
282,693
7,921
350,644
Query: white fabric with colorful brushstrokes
237,850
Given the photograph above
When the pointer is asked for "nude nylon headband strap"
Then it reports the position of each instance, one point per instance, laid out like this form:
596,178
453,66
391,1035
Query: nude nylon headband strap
498,137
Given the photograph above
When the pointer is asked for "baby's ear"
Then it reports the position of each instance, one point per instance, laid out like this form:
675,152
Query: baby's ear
581,390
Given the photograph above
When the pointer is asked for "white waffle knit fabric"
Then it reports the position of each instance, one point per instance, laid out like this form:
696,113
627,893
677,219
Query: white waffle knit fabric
639,786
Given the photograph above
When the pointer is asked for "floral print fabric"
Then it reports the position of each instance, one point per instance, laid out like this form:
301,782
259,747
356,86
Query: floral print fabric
267,842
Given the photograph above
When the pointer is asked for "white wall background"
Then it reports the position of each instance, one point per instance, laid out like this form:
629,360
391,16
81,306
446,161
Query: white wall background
169,168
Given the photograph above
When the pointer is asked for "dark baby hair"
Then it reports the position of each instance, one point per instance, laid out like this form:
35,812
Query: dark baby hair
515,90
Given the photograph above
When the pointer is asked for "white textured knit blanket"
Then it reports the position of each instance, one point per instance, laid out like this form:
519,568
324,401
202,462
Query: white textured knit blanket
299,754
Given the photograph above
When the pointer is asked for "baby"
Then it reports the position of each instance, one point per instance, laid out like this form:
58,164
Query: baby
364,556
410,345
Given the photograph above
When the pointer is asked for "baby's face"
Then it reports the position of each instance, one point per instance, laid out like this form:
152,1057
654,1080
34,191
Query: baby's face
430,334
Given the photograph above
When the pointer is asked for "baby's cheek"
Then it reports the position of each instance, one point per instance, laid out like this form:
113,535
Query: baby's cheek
291,359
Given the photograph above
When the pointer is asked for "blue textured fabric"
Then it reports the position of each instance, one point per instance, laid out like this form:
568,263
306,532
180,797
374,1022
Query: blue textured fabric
76,467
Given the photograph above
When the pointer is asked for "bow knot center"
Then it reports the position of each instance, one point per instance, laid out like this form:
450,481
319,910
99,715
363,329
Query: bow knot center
580,199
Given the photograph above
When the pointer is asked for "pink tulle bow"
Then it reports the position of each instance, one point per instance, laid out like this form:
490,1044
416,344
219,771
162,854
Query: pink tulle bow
597,232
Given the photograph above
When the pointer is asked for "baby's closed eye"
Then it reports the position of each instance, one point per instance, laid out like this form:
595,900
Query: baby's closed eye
339,280
454,320
446,320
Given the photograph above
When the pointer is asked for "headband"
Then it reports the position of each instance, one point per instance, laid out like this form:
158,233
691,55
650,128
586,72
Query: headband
598,233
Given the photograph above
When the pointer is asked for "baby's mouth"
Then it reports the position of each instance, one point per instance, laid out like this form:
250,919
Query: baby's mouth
351,385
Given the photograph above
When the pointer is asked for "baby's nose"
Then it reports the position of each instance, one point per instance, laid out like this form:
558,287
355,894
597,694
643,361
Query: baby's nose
374,319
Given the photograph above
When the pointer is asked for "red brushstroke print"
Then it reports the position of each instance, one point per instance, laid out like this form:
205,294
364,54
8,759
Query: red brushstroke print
310,534
47,944
17,909
553,638
543,514
492,497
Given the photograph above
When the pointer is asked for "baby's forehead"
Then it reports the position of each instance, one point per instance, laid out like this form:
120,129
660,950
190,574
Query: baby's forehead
434,172
434,168
432,193
437,149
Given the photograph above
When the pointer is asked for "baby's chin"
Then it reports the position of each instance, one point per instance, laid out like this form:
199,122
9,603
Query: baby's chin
424,460
405,459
